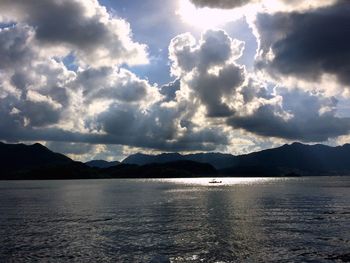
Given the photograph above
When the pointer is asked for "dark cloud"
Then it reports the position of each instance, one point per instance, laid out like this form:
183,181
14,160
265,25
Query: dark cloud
14,49
39,114
70,148
212,88
33,111
307,45
127,88
83,26
101,103
32,94
169,90
41,100
300,116
209,72
158,128
110,83
207,139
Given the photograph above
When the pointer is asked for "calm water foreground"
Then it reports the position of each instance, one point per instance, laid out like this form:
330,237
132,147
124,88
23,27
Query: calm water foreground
180,220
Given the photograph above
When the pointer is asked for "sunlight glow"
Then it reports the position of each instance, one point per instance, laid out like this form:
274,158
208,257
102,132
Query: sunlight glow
225,181
204,18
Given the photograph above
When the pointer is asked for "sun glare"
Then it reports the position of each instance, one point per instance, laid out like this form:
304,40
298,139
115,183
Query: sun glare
204,18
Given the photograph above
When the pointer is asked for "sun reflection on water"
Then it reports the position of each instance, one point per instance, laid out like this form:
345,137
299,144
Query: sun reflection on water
224,181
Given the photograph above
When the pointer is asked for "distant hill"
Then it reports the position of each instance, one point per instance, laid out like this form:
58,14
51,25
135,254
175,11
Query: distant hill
17,157
73,170
176,169
218,160
101,163
295,158
20,161
35,162
142,159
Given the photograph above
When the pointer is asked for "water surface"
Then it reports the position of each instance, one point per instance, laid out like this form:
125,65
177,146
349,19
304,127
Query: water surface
183,220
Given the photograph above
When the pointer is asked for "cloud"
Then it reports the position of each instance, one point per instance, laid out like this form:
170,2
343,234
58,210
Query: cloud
208,69
33,92
293,115
209,76
274,5
13,46
212,99
41,100
107,83
169,90
306,45
159,126
225,4
94,36
70,148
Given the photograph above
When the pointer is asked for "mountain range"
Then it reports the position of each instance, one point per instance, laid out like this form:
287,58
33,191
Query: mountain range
290,158
20,161
101,163
218,160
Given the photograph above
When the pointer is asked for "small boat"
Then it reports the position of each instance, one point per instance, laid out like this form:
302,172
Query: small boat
215,182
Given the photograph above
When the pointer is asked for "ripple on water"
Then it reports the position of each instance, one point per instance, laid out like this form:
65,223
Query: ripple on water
245,220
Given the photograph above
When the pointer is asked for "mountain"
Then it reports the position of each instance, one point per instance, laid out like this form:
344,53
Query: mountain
36,162
176,169
290,159
218,160
20,161
18,157
73,170
101,163
142,159
295,158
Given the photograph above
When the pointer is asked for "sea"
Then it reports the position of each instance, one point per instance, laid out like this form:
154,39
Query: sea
300,219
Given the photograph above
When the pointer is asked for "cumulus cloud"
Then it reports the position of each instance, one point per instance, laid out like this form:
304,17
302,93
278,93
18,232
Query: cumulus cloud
32,87
94,36
208,69
40,99
169,90
292,115
306,45
14,48
212,98
107,83
160,126
214,79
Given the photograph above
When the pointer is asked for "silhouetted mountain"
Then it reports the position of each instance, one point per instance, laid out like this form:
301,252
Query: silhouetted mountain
142,159
101,163
72,170
17,157
218,160
175,169
296,158
19,161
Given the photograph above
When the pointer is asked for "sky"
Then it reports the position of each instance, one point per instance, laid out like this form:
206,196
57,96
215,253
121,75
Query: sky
105,79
